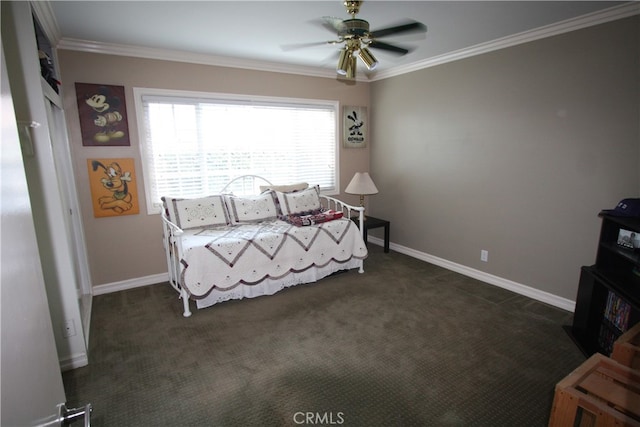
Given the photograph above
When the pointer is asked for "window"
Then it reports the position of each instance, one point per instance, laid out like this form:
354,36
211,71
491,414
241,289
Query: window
193,144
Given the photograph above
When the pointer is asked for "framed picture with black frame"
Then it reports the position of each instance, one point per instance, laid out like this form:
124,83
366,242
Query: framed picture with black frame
354,123
628,239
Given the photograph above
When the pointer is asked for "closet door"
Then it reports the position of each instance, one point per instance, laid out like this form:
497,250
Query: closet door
73,221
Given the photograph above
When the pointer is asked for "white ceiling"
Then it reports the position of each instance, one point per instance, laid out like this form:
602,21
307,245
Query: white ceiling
253,33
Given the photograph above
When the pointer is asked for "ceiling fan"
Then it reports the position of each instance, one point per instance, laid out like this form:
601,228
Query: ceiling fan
354,33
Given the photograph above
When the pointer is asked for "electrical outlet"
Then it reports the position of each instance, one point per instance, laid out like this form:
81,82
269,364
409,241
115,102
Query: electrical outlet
484,255
69,328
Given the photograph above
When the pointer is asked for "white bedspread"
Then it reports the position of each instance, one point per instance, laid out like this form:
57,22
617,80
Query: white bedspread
225,258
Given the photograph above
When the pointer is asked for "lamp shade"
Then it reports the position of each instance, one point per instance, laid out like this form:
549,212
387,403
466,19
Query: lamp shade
361,183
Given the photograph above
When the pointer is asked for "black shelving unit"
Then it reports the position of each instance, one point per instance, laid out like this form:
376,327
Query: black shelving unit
608,300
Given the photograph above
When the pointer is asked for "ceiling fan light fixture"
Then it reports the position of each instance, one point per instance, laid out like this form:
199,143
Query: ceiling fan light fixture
343,61
351,68
367,57
356,37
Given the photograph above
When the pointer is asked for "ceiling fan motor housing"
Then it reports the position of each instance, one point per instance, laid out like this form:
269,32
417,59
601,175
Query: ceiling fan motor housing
354,27
352,6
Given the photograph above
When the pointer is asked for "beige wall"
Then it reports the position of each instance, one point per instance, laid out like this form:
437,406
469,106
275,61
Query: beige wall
130,247
514,151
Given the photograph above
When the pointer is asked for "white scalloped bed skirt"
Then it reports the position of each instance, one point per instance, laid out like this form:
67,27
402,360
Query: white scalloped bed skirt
271,286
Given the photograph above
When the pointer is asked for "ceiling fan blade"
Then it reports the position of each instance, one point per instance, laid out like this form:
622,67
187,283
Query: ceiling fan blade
409,27
388,47
296,46
333,24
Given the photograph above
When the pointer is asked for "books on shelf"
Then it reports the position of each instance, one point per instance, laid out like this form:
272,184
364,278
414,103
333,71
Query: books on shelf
606,338
616,313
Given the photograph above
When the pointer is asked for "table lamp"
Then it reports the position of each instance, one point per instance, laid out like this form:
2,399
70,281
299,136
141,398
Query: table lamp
361,184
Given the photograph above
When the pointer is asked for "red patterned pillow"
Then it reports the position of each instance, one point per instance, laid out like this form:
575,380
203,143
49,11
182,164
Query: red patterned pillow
313,218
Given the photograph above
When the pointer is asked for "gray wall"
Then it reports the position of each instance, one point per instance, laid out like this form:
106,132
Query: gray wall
514,151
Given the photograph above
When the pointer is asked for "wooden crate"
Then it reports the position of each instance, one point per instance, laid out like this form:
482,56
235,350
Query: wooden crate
600,392
626,349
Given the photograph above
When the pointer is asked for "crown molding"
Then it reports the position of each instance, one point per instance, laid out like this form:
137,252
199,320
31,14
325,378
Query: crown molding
190,57
595,18
573,24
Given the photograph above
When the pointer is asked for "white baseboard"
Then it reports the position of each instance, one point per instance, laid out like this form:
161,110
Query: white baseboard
510,285
107,288
74,361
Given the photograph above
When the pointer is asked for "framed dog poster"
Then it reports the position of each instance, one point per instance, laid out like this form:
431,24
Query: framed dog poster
103,115
113,187
354,122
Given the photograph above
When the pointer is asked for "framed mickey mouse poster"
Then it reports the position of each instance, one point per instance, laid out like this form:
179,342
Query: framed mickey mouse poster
354,122
103,115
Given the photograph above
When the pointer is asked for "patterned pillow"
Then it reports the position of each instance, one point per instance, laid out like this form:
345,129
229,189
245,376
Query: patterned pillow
253,209
285,188
197,213
300,201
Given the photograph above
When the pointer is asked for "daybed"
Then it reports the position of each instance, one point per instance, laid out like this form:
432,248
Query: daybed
228,246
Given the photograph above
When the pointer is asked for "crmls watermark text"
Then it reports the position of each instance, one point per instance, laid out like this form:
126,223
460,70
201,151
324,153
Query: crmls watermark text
319,418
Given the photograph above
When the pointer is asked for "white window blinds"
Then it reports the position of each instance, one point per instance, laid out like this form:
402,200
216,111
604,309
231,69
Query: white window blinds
193,146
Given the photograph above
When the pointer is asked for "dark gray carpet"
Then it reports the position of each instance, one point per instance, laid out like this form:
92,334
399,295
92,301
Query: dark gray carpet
406,343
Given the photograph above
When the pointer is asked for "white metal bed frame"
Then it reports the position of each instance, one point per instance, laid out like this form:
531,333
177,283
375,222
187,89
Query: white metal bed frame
172,234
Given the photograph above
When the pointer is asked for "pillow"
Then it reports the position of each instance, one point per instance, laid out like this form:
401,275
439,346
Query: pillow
253,209
285,188
313,218
197,213
299,201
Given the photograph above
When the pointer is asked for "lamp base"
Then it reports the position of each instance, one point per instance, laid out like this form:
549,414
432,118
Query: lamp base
362,205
